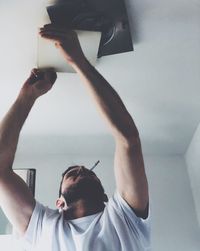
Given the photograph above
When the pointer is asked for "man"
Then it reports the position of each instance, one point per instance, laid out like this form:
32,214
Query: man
85,220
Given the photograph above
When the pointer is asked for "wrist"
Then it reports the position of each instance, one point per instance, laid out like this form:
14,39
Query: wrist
26,97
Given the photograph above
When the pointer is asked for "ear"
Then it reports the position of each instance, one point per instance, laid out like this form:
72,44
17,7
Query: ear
105,198
60,204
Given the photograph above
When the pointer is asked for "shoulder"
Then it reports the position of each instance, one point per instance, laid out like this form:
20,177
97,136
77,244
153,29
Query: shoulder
120,208
41,216
44,213
120,218
41,220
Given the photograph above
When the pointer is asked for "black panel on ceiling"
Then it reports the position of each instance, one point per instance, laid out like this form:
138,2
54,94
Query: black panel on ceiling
108,16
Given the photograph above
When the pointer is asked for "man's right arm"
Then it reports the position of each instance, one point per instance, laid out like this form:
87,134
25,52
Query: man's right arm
16,200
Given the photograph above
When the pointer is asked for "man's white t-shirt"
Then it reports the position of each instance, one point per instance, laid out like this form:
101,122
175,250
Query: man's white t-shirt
116,228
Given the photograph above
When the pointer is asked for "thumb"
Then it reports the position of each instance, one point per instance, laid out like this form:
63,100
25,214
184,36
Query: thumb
34,76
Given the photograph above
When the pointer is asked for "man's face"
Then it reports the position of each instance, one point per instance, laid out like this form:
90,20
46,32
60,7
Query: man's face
81,183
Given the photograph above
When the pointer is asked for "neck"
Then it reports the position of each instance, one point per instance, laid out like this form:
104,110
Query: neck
80,209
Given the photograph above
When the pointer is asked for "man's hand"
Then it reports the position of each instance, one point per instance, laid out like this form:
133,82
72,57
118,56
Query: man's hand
39,82
66,40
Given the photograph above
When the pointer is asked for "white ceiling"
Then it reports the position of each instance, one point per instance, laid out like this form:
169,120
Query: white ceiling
159,82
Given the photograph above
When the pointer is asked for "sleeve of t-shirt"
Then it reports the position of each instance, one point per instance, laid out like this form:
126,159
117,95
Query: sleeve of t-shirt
131,219
34,229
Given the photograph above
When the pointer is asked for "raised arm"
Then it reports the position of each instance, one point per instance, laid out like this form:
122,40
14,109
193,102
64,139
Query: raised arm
16,200
130,174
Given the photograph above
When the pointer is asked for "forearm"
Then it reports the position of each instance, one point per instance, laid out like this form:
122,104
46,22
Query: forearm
108,101
11,126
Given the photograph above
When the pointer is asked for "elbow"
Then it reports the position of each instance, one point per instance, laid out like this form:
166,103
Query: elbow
6,160
4,173
126,132
133,140
129,139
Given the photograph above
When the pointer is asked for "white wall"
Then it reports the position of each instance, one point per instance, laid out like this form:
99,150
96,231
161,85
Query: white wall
174,222
192,158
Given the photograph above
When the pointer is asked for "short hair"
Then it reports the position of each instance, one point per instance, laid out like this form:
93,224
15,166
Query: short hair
66,171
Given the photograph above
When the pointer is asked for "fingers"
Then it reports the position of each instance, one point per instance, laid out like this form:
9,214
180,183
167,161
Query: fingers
55,28
51,37
33,76
56,33
51,29
45,74
34,71
66,40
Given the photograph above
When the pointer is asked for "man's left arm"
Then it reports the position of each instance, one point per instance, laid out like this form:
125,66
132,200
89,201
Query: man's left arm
129,168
